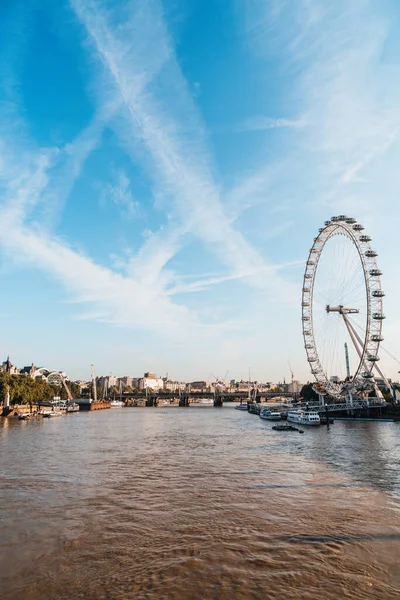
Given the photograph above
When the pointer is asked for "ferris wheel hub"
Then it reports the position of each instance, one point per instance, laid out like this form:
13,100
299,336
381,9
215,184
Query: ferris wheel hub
341,309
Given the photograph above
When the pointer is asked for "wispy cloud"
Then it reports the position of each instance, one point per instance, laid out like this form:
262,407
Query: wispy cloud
71,159
119,193
112,296
203,284
264,123
348,95
176,142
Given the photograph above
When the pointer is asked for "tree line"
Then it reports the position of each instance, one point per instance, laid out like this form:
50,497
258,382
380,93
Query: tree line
23,389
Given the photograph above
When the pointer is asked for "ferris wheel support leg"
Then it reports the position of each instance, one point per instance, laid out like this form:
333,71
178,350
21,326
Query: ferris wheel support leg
375,366
353,335
350,401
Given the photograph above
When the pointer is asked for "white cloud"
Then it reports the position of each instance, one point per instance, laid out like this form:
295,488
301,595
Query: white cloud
113,297
120,194
265,123
176,143
202,284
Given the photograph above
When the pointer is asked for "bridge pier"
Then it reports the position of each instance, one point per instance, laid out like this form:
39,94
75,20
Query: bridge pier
218,399
151,400
184,400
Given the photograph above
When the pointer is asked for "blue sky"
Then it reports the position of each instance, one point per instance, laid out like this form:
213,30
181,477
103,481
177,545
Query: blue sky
165,166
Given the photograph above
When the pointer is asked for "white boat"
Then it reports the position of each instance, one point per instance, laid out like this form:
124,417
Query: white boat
72,407
270,415
241,406
59,406
24,416
52,413
116,403
304,417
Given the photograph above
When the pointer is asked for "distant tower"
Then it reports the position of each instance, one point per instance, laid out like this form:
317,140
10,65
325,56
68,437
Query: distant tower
346,352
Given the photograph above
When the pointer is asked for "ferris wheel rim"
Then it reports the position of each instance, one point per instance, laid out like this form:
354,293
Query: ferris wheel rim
373,294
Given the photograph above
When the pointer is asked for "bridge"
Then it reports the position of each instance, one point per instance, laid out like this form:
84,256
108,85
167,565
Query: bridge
193,396
344,406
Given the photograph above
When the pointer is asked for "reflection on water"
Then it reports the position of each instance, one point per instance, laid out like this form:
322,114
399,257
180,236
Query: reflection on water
197,503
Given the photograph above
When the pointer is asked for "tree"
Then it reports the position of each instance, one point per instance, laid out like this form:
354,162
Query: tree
307,393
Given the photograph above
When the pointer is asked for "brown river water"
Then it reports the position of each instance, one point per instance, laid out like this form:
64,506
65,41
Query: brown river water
197,503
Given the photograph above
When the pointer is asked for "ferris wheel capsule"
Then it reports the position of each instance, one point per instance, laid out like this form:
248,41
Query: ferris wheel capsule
376,337
367,375
372,358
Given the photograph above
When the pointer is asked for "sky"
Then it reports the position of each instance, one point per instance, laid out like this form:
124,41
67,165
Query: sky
166,165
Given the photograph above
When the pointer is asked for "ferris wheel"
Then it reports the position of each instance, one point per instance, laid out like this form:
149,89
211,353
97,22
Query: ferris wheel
342,308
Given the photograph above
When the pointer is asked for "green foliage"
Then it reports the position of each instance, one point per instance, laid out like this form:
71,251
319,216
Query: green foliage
59,390
23,389
307,393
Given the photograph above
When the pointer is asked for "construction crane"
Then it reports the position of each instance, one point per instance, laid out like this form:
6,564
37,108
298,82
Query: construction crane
292,374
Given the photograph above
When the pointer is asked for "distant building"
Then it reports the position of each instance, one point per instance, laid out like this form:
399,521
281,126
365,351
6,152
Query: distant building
150,381
8,367
109,380
38,372
295,387
174,386
200,386
29,370
126,381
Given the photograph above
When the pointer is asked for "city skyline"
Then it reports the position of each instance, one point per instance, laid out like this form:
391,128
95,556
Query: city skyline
165,168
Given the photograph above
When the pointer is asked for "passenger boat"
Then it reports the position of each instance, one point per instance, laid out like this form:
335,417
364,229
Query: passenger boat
72,407
59,406
270,415
304,417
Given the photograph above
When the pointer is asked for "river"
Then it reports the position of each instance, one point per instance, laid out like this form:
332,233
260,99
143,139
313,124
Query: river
197,503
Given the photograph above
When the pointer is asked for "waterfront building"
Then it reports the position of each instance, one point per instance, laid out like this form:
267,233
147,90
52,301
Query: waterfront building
126,381
109,380
174,386
150,381
8,367
200,386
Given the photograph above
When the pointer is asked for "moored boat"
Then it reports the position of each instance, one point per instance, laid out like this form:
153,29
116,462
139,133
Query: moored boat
304,417
286,428
270,415
24,416
241,406
52,413
117,403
